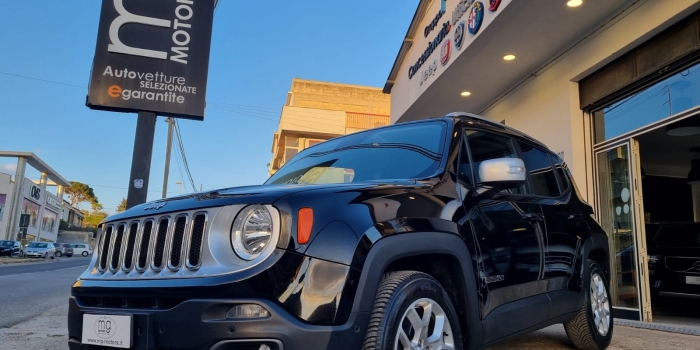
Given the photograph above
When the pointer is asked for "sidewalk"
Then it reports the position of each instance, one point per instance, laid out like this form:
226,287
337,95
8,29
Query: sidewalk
46,332
49,332
12,261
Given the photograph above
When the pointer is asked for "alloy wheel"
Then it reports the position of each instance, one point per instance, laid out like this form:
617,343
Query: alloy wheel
424,326
600,304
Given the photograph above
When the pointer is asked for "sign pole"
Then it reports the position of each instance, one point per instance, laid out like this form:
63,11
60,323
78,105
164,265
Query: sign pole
167,156
141,160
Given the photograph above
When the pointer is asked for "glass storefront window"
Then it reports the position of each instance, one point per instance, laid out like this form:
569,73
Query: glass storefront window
617,218
670,96
3,198
32,209
49,221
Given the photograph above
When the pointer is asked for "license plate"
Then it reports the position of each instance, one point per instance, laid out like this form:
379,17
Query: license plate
692,280
107,330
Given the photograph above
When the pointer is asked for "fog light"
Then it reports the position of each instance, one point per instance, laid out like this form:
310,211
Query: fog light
247,311
264,347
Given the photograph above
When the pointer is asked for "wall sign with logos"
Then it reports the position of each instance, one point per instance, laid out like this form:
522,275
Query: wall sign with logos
33,192
152,56
430,49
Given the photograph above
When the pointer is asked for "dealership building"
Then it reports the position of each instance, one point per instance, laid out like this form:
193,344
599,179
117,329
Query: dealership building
612,86
43,209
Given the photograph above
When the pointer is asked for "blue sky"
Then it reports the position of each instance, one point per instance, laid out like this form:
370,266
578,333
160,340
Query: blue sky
257,48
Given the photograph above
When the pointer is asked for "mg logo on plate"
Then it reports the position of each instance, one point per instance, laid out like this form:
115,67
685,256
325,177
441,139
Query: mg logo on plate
105,327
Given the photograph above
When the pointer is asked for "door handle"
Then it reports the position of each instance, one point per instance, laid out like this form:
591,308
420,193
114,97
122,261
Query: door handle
533,217
575,217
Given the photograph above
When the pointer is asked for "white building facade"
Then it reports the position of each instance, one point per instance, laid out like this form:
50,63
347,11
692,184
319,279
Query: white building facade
604,83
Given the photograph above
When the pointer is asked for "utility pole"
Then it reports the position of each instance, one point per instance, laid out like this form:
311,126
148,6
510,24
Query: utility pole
167,156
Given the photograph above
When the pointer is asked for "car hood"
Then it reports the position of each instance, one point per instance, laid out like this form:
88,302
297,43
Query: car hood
259,194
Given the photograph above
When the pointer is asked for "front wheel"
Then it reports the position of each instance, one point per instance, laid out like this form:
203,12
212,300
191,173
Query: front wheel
84,254
412,311
58,254
592,328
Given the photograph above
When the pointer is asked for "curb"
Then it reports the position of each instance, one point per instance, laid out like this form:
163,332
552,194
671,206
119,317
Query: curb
664,327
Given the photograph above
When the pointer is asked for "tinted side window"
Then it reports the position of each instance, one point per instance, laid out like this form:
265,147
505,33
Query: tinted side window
542,178
561,171
486,146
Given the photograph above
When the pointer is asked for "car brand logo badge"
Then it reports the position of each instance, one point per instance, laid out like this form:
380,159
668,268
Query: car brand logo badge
105,327
459,35
155,206
445,52
493,5
476,16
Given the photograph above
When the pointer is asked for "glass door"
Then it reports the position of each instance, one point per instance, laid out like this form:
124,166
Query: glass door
619,208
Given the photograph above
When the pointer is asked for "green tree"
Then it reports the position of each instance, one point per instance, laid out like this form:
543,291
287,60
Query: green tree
122,206
79,192
93,218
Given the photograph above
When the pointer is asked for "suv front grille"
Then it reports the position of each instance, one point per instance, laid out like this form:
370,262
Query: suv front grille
104,252
153,242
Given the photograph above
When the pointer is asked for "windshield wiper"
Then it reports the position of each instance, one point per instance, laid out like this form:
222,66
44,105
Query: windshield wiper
418,149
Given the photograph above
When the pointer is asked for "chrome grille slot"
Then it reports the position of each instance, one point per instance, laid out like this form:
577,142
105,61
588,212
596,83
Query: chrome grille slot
117,247
130,246
104,252
196,240
161,240
142,261
177,242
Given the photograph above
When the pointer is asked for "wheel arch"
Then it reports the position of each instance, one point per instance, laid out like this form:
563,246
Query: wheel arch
439,254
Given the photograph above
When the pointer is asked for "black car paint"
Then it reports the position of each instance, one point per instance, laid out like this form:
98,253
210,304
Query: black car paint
673,264
15,249
330,282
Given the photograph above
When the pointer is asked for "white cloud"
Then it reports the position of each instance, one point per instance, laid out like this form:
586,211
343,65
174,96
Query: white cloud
8,167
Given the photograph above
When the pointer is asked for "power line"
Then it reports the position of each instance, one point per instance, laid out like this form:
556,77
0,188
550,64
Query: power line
44,80
184,157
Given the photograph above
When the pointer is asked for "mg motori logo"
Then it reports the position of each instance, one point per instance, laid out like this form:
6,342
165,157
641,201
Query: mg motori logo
105,327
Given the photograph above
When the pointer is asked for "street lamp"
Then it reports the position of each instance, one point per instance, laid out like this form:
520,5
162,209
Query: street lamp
179,183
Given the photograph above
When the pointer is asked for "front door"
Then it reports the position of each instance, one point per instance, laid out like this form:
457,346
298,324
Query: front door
619,213
509,238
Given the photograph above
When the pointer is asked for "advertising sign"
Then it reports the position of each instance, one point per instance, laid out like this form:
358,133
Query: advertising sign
152,56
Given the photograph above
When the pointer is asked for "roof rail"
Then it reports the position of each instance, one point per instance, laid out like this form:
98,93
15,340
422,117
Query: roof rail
489,121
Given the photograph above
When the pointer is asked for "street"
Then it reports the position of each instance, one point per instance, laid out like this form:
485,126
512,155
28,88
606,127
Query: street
34,311
28,290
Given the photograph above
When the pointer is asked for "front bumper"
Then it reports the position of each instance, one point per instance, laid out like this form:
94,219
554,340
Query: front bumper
36,254
202,324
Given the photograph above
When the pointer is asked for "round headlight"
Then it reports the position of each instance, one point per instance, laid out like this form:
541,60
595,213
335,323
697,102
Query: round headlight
251,231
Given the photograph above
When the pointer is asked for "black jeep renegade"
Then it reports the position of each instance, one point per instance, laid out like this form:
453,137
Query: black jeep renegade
449,233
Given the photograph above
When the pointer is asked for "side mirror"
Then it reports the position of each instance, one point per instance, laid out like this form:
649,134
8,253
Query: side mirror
502,173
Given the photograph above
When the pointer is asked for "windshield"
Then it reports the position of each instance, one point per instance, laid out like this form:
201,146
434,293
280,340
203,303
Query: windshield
38,245
679,236
6,243
400,152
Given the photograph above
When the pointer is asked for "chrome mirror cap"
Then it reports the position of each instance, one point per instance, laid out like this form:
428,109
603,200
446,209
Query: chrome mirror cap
502,172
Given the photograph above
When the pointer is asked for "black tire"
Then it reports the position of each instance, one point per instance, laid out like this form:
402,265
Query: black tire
582,330
397,292
53,256
58,254
69,255
84,254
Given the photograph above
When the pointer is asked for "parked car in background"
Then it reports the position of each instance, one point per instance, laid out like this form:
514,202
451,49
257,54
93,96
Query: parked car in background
674,260
81,249
68,250
11,248
41,250
60,248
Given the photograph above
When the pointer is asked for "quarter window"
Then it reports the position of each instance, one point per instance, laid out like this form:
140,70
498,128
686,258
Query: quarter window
542,179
